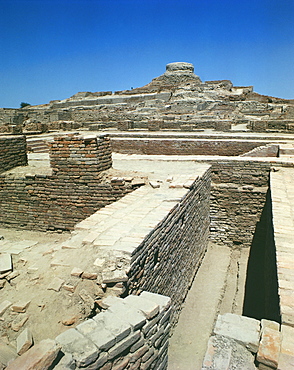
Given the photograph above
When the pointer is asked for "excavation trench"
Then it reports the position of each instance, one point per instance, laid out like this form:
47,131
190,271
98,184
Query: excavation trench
231,279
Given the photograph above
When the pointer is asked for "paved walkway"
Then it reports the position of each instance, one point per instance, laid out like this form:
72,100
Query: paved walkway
282,190
217,288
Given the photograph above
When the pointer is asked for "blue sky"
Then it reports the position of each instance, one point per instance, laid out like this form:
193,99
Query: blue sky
51,49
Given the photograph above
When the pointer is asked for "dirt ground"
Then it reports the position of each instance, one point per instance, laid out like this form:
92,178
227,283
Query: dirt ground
39,263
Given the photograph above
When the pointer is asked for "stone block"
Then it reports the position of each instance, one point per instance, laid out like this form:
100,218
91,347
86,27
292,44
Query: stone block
24,341
40,356
17,324
82,349
224,353
116,325
287,346
149,308
20,307
109,301
89,275
97,333
56,284
120,347
154,184
115,276
269,348
5,262
163,301
243,329
269,324
134,317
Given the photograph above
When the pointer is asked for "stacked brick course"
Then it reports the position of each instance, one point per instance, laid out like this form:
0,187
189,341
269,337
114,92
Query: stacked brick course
181,146
131,334
74,191
77,156
168,258
238,196
12,152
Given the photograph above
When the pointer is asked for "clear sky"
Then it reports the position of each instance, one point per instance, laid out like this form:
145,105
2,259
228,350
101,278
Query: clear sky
52,49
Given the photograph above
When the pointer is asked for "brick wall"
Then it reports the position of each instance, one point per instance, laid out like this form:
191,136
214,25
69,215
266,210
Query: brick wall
181,146
168,258
238,195
73,155
74,191
132,333
12,152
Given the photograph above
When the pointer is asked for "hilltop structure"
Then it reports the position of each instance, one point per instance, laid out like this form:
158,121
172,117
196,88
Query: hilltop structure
176,100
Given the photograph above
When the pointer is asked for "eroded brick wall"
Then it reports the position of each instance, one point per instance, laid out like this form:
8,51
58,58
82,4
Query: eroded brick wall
180,146
132,333
73,192
168,258
73,155
12,152
238,195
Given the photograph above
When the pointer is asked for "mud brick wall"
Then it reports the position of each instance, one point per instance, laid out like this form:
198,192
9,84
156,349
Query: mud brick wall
74,155
73,192
53,202
181,146
131,334
238,196
168,258
12,152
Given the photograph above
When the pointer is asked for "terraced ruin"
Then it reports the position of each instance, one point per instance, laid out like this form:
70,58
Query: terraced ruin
132,219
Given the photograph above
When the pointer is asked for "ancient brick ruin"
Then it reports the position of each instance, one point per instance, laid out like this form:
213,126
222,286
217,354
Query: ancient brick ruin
138,237
176,100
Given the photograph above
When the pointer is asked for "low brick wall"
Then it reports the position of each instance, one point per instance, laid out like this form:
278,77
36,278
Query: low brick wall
12,152
132,333
74,191
180,146
73,155
275,125
238,195
168,258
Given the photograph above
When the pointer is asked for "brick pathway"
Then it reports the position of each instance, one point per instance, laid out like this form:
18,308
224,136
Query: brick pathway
282,189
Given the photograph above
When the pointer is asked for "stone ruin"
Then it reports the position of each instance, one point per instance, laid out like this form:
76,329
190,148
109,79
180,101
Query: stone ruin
137,239
176,100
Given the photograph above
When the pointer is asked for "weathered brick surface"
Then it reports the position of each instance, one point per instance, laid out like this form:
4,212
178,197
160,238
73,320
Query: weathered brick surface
73,191
269,348
181,146
12,152
81,349
238,196
180,240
